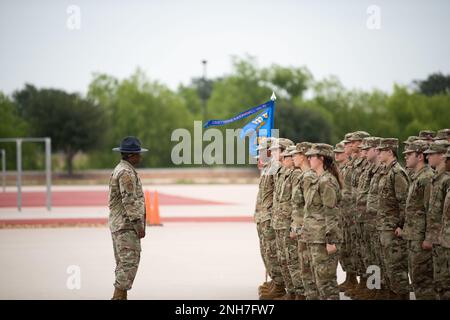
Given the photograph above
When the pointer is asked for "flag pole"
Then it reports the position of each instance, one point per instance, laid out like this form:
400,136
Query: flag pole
273,98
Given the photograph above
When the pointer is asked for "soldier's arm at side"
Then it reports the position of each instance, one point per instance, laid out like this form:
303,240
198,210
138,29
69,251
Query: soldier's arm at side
127,185
401,185
329,195
297,202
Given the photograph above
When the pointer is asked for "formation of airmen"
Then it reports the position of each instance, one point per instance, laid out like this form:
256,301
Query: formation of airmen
355,205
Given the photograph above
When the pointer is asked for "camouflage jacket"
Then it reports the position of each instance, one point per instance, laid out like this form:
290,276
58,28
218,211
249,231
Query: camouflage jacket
417,204
393,191
281,216
362,190
444,237
372,195
322,211
346,174
258,205
359,167
301,180
126,198
266,190
439,186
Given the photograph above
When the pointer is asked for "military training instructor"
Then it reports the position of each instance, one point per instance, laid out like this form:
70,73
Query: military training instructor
126,215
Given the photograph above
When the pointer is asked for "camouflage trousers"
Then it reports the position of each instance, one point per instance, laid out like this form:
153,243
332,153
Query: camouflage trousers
262,246
441,268
290,265
309,281
368,253
420,265
127,253
394,250
270,252
324,268
346,254
378,250
358,246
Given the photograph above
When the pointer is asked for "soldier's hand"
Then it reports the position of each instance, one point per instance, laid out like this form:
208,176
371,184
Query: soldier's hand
426,245
331,248
139,230
293,234
398,232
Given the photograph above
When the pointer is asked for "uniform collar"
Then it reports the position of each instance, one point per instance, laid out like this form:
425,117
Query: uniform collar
127,164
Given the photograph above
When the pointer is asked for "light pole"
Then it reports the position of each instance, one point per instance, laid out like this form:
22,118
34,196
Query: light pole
204,89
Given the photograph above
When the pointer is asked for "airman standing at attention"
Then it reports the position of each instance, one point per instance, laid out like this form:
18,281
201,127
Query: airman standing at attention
440,183
261,215
300,185
358,166
366,222
321,229
277,289
420,262
281,221
444,239
393,189
347,256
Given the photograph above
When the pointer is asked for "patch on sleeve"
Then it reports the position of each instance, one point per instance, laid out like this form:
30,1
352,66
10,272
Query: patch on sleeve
127,183
329,197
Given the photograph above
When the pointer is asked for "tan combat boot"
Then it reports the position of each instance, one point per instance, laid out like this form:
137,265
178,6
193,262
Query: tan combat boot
353,290
349,283
300,297
119,294
287,296
275,291
265,287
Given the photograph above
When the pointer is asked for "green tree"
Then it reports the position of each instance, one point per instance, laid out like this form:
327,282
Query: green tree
139,107
435,83
74,124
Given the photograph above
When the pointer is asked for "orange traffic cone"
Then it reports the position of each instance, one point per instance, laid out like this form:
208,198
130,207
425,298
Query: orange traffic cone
148,208
154,218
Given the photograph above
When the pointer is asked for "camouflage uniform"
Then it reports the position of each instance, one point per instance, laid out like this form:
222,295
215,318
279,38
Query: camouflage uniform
393,188
281,230
365,218
258,216
281,222
358,167
359,205
346,255
420,261
374,221
301,181
321,226
444,240
264,223
435,220
126,210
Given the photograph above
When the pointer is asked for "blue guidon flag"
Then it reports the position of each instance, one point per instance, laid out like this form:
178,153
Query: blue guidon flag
258,129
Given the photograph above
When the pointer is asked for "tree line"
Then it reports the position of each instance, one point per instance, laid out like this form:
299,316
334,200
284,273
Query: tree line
85,128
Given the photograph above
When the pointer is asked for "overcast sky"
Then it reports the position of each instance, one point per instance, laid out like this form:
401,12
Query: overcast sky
168,40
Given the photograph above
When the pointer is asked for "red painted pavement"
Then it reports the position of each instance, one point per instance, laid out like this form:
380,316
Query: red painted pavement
89,198
73,221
